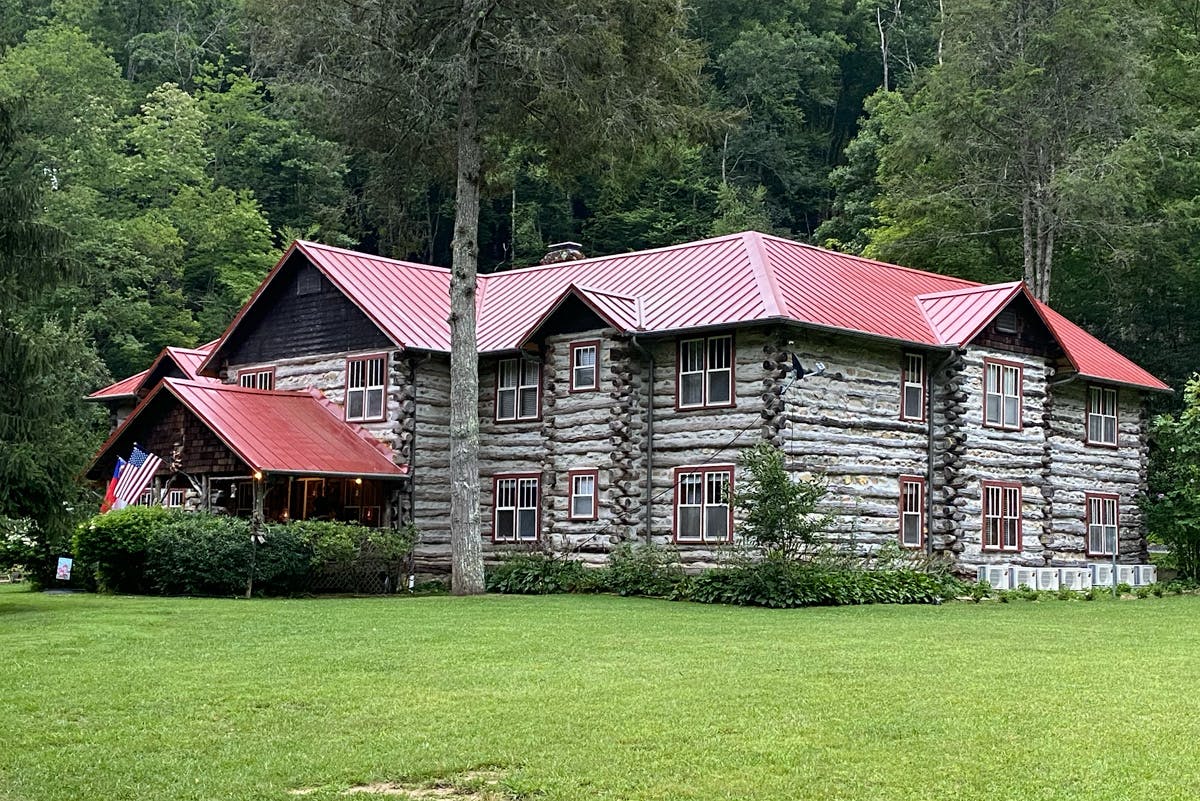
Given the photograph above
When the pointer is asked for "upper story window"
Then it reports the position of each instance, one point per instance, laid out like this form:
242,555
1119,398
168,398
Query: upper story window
1102,521
366,382
585,358
1001,516
583,494
705,372
702,509
1002,395
308,282
515,517
912,512
1102,416
257,378
518,389
912,387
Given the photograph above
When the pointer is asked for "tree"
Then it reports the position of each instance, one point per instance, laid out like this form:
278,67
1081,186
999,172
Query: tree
577,79
1019,133
46,430
1172,504
779,512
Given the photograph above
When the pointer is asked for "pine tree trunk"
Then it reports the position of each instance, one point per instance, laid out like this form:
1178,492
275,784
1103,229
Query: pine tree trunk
465,548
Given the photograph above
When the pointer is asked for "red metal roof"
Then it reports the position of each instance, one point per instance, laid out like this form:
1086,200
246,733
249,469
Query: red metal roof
956,317
277,431
729,280
188,360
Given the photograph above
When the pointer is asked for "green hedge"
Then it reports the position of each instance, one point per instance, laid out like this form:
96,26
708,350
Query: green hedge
158,551
773,582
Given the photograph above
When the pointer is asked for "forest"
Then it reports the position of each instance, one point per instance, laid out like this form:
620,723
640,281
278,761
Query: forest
159,155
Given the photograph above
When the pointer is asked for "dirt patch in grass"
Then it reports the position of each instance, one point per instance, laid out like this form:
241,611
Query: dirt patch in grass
476,785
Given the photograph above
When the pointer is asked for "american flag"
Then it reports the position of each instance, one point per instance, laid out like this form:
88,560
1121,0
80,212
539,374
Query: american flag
135,476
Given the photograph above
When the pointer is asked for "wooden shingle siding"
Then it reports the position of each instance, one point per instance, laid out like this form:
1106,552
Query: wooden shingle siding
286,324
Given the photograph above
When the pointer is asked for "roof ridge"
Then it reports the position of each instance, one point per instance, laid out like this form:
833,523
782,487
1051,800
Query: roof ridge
945,293
304,243
864,259
628,254
764,274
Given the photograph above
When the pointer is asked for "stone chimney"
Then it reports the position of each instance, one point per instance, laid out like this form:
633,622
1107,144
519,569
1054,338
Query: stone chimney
563,251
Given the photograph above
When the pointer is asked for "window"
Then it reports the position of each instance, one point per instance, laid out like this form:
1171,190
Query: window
146,498
702,510
175,498
516,515
1102,416
584,365
912,511
365,384
1102,521
257,378
705,372
583,494
308,282
912,388
518,387
1001,516
1006,322
1002,395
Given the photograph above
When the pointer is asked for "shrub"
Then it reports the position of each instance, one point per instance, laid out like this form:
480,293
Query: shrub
199,554
19,540
331,542
1124,589
778,511
539,574
979,591
646,570
113,546
781,583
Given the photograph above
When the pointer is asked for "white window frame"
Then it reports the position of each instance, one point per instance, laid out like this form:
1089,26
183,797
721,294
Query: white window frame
1104,421
914,364
1103,521
175,498
581,480
366,380
257,378
516,497
912,510
519,379
713,363
1007,390
590,371
1002,524
708,489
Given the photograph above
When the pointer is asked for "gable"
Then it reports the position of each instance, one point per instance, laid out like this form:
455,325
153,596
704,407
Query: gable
1018,328
572,316
300,313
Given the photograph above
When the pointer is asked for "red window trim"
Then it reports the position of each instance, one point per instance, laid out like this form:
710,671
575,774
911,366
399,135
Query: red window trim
1087,417
587,343
905,355
256,371
1088,497
983,516
367,357
704,471
496,479
571,476
517,404
732,403
919,481
1020,426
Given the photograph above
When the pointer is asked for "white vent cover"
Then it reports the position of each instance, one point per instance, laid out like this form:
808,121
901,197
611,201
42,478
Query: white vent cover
995,575
1047,578
1027,576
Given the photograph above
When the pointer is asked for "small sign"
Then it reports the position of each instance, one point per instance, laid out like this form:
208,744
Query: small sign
64,569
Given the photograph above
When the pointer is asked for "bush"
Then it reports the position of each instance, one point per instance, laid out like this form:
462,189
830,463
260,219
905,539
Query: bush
646,570
112,547
199,554
781,583
539,574
778,511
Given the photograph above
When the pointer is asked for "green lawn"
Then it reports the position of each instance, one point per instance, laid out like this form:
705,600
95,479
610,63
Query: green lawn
597,698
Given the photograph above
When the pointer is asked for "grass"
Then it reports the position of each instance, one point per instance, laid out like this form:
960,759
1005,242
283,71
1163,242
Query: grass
575,697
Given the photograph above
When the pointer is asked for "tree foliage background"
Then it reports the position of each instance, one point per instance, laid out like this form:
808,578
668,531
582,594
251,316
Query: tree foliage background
171,162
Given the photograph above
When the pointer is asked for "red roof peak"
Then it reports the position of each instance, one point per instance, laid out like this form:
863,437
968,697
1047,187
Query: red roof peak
305,245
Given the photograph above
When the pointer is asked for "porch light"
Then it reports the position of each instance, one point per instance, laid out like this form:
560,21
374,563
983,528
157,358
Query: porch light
257,475
358,481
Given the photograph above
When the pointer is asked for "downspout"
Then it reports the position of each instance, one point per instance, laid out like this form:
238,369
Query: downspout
648,510
929,398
